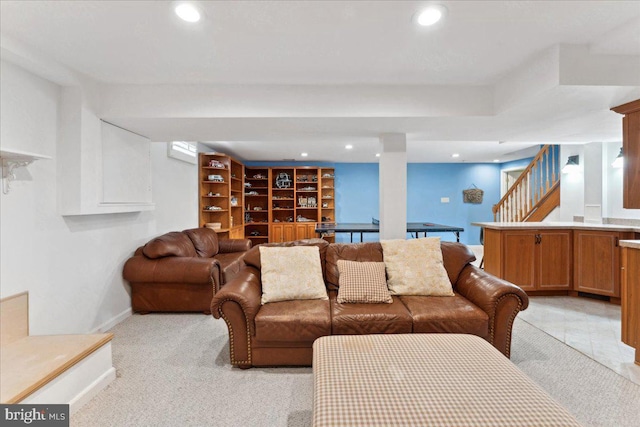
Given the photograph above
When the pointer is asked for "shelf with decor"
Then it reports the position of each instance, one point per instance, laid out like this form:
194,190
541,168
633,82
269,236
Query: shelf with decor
327,198
221,186
282,197
306,203
256,203
275,204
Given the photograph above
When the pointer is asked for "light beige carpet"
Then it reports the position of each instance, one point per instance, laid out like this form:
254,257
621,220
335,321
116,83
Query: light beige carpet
173,370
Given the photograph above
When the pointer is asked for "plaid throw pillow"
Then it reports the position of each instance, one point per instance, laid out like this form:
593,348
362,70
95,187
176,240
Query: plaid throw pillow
362,282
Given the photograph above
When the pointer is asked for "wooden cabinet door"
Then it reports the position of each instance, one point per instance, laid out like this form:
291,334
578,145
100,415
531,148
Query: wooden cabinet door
630,294
597,262
311,231
282,233
554,260
519,258
631,151
276,234
288,232
306,231
301,231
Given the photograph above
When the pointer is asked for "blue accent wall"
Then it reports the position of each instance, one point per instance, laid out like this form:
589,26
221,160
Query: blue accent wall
358,195
427,183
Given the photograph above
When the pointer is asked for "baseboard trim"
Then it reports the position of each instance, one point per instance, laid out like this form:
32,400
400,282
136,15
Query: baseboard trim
92,390
112,322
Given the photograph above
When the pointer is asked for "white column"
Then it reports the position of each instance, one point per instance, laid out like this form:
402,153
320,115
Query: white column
593,182
393,186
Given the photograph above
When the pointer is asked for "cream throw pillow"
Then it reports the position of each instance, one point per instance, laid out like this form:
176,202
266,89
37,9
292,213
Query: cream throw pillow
415,267
291,273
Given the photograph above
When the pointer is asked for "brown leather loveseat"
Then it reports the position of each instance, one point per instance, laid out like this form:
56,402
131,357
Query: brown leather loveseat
282,333
181,271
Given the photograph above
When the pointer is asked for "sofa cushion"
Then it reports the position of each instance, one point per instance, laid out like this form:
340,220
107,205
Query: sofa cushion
446,315
252,256
455,256
174,243
293,321
358,319
350,252
204,240
291,273
230,265
415,267
363,282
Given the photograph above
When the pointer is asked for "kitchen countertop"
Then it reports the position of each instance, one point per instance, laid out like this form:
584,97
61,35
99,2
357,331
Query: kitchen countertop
635,244
555,225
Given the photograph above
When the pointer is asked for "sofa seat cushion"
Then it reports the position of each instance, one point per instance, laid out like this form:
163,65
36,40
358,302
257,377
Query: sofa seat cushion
358,319
453,314
230,265
293,321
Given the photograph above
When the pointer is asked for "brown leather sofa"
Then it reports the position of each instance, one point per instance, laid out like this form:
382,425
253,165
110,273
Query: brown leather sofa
282,333
181,271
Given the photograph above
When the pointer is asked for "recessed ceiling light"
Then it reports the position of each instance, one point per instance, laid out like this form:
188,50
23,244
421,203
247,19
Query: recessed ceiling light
348,146
377,154
304,154
454,155
187,12
496,160
431,15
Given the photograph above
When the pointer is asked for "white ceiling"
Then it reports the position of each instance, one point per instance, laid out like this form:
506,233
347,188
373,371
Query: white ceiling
498,47
310,42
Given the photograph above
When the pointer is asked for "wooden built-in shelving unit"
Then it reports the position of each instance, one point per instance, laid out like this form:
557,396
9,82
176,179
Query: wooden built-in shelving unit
256,202
221,194
285,203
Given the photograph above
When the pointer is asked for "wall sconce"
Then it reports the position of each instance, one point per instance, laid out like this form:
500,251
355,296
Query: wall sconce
572,165
619,161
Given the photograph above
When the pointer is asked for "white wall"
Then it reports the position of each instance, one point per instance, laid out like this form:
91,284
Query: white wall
72,266
175,191
572,190
571,185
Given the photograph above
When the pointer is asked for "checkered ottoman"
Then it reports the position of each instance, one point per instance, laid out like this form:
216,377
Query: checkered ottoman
424,380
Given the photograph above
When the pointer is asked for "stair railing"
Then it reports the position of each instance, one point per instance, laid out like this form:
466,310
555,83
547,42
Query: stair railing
532,185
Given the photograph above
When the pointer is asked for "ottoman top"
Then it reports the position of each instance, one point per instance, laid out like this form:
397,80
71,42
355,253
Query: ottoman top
424,379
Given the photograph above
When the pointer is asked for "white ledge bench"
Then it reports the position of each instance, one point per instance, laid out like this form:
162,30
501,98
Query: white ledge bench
66,369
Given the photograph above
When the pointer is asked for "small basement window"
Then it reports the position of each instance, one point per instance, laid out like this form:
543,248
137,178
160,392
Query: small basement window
183,150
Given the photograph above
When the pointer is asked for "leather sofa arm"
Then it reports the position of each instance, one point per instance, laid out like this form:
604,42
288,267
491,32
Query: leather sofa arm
498,298
245,290
234,245
140,269
238,303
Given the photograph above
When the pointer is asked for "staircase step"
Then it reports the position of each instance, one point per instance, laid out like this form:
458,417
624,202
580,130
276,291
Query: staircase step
49,368
31,362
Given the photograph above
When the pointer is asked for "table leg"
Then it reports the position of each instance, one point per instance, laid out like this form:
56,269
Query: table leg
360,237
457,236
351,234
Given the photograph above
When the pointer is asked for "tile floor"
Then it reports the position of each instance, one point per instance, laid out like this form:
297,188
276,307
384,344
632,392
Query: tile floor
590,326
